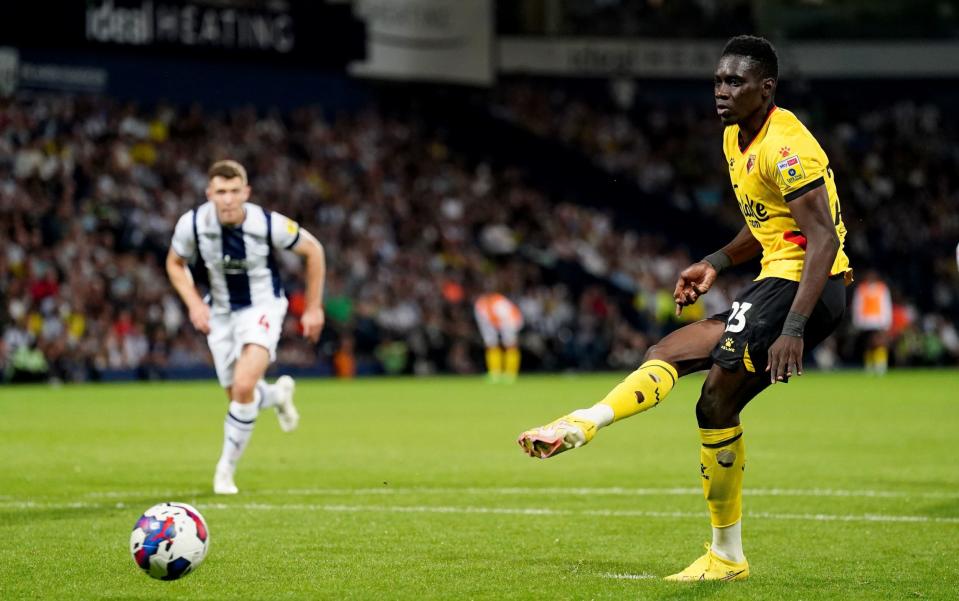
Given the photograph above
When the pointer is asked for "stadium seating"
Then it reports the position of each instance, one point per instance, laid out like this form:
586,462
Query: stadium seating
90,189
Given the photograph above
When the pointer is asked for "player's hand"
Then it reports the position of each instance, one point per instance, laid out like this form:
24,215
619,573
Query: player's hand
785,358
200,317
693,282
312,322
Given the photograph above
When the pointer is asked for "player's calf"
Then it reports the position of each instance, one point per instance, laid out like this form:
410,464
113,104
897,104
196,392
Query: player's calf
641,390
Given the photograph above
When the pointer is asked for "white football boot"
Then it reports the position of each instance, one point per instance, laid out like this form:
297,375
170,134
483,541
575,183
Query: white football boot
286,412
223,481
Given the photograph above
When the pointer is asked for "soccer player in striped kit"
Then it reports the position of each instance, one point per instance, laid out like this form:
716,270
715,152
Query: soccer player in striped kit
231,244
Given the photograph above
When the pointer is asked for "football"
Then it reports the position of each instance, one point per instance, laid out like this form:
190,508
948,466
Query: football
169,540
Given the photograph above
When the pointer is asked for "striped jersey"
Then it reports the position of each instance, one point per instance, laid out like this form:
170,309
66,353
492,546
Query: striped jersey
240,266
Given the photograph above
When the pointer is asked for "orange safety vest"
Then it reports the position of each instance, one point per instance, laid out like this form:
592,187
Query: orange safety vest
872,306
498,310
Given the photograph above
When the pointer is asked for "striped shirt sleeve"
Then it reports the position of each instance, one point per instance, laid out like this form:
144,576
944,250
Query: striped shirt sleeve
285,232
183,243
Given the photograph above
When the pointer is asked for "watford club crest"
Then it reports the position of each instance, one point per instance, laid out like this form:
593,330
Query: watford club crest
750,163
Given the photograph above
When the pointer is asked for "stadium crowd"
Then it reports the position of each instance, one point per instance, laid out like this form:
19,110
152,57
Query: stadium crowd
90,189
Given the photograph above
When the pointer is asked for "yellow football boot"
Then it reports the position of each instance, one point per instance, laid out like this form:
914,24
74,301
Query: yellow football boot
566,433
712,567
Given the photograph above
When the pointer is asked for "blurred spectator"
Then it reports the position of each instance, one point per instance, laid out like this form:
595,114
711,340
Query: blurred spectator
872,316
499,321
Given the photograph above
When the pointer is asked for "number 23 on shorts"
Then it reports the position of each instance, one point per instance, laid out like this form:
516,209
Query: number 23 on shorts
737,317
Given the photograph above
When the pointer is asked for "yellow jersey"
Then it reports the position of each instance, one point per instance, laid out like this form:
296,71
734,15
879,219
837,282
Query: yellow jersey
783,162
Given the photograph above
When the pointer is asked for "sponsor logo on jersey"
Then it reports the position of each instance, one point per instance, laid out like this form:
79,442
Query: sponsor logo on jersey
784,151
754,212
231,266
791,169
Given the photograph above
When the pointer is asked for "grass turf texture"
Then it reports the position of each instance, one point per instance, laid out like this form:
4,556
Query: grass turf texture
415,488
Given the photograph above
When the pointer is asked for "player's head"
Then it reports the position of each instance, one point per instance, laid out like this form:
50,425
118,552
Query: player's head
745,78
228,190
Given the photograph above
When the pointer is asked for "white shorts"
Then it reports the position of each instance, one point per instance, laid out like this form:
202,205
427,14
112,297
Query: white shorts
230,332
505,333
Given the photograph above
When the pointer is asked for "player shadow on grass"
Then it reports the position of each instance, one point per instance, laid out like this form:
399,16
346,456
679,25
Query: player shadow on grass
947,508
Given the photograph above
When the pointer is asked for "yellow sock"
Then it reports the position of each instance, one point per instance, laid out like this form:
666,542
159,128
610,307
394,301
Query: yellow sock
880,358
512,361
642,389
722,460
494,361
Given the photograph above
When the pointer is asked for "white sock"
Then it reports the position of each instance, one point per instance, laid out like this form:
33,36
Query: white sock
599,414
264,395
728,542
237,430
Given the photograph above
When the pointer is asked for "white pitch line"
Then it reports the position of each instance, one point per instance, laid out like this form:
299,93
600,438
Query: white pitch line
556,491
533,511
629,576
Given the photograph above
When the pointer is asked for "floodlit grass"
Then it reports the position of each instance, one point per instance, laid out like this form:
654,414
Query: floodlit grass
415,488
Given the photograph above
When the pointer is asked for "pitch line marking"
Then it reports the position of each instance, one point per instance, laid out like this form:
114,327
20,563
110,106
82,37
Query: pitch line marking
559,491
643,576
532,511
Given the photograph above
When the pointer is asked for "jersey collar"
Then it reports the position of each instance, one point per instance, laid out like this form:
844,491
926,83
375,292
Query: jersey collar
742,150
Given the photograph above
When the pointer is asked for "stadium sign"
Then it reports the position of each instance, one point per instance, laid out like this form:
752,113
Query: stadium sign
9,59
190,24
312,33
603,57
16,73
428,40
696,59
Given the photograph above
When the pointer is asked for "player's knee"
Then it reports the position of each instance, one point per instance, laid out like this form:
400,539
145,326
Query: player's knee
658,352
714,409
243,389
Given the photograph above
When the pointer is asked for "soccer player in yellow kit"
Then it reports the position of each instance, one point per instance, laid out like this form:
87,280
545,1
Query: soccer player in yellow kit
787,195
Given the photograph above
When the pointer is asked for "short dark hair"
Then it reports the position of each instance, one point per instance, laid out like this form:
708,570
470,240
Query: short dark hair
227,169
757,49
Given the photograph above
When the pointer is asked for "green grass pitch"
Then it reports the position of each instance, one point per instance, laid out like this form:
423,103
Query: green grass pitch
415,489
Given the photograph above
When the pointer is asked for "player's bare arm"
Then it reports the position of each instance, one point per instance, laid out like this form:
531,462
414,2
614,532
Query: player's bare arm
179,273
311,250
811,212
698,278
